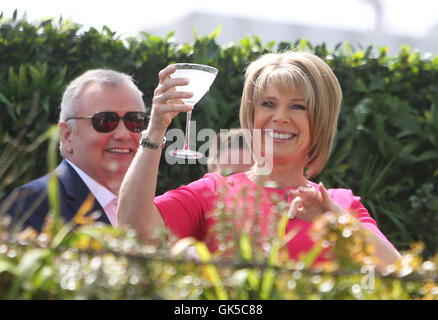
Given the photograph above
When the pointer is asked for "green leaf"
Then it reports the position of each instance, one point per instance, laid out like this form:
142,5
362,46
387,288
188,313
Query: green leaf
245,246
202,250
7,103
216,32
7,266
22,79
55,205
378,83
48,134
253,279
58,80
267,284
45,23
427,155
29,263
169,35
411,147
303,44
36,74
282,225
309,258
53,185
13,79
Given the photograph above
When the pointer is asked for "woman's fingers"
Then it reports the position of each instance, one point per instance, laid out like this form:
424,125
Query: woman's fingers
171,108
166,94
324,194
165,73
172,97
307,193
294,207
170,84
167,83
167,102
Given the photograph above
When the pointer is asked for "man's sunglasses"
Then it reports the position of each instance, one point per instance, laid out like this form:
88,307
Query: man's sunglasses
107,121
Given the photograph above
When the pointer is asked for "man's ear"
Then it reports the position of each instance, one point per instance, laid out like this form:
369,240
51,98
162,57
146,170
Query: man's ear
65,131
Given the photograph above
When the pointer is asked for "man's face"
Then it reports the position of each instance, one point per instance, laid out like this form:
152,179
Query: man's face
105,157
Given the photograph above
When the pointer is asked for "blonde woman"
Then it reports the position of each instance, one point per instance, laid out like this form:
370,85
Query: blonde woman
290,99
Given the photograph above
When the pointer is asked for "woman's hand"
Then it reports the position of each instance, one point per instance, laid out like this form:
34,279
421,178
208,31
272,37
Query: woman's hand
309,203
167,103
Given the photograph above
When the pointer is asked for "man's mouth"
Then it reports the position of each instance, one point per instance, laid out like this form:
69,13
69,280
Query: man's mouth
120,150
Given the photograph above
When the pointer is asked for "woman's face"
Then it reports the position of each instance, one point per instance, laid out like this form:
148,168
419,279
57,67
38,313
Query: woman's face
287,116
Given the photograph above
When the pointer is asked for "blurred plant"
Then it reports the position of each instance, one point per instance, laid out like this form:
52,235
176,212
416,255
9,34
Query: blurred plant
96,261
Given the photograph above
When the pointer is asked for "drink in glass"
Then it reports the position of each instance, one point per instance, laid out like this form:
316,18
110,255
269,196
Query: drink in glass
200,79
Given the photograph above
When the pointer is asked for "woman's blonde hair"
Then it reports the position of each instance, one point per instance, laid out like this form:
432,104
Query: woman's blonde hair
312,77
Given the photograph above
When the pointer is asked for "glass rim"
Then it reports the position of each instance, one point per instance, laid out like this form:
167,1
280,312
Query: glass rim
196,66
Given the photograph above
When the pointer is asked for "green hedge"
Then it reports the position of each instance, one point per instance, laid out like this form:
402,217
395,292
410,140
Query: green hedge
386,149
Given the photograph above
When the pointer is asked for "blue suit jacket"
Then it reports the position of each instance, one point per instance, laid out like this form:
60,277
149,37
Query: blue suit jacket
32,197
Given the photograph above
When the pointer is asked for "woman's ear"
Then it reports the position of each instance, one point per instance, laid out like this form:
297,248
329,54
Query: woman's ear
65,131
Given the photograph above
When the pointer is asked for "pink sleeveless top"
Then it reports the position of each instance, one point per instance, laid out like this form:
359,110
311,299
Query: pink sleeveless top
187,210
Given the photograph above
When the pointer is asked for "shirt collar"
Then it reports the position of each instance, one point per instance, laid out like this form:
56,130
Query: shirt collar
101,193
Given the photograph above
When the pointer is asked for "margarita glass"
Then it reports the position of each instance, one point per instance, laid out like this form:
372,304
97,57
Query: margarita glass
200,79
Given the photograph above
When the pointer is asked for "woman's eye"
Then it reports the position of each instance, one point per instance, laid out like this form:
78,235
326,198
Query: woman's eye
267,104
298,107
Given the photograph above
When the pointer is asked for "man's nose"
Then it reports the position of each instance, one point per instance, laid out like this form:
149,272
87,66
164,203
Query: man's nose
121,132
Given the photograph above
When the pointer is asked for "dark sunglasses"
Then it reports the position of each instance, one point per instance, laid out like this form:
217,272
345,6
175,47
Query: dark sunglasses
107,121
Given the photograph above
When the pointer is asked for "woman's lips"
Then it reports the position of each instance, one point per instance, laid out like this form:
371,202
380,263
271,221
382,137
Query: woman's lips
277,135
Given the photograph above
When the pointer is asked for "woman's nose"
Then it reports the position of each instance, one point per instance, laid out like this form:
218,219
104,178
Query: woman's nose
281,116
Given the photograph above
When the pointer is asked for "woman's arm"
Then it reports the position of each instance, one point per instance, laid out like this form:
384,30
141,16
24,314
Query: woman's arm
136,207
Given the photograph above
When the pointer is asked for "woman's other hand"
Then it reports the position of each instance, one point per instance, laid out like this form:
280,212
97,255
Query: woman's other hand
309,203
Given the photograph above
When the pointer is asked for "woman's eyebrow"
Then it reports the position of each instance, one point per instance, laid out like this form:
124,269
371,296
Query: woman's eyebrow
295,100
269,97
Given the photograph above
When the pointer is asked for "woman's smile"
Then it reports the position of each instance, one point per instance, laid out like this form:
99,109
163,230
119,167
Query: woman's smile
279,135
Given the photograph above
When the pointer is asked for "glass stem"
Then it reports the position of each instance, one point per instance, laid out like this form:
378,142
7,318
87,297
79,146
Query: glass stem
189,117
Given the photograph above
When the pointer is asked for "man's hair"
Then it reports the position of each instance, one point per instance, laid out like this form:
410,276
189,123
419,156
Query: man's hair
312,77
104,77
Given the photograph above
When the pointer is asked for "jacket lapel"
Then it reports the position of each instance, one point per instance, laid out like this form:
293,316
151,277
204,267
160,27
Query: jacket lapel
73,193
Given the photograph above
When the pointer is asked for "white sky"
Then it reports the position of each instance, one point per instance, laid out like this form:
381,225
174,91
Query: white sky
407,17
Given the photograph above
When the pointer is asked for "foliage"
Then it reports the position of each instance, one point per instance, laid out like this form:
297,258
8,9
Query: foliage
96,261
385,150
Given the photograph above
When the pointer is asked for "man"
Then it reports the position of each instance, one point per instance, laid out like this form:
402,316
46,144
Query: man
102,116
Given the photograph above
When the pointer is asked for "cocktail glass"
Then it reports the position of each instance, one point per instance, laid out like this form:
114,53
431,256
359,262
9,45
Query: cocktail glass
201,77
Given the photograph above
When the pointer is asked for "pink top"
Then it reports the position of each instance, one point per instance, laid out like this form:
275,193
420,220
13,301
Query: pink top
186,210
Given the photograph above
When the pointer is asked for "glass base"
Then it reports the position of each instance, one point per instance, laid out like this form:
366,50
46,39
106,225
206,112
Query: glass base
186,154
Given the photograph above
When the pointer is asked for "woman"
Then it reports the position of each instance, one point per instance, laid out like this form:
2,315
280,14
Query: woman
291,100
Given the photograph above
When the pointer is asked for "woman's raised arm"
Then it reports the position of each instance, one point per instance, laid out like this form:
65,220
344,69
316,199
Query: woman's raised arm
136,207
